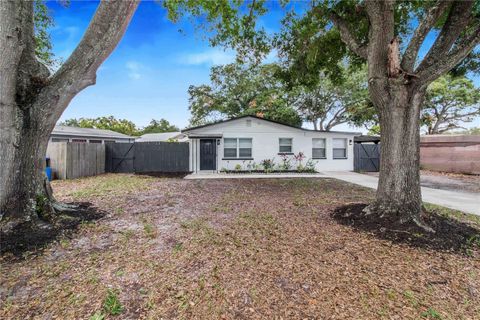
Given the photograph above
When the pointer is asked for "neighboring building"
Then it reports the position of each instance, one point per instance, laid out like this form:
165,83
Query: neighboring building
159,137
252,139
75,134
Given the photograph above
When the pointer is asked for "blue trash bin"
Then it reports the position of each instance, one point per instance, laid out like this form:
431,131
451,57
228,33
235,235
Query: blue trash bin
48,170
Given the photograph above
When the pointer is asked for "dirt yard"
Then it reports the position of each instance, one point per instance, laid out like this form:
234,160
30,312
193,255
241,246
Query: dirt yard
233,249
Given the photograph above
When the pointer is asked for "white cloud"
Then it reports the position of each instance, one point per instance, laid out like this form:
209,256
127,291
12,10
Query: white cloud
134,69
209,57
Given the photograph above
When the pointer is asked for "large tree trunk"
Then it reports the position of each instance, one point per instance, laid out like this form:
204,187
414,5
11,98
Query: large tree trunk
31,102
398,192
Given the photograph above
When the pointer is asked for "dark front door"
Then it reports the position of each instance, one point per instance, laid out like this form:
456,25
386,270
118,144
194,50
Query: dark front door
208,154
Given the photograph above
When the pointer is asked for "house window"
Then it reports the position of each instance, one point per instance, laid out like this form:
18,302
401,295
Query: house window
59,140
79,140
237,147
95,141
339,148
285,145
318,148
245,147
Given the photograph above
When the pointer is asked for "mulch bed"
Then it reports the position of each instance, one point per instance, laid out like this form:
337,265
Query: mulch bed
450,234
234,249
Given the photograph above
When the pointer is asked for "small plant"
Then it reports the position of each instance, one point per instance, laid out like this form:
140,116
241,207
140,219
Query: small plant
431,314
267,164
251,166
299,158
285,165
310,166
223,169
238,167
300,168
112,304
97,316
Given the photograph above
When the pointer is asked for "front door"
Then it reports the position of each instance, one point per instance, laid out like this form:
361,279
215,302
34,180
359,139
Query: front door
208,154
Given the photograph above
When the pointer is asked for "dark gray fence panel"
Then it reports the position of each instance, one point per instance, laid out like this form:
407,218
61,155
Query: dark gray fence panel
119,157
366,157
161,157
147,157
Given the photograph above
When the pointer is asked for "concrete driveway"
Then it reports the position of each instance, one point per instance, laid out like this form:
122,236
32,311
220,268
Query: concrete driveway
462,201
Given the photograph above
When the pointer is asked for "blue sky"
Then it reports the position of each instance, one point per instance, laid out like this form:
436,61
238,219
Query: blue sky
148,74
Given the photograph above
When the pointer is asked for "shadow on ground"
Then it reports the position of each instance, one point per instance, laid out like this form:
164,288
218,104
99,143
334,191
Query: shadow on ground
451,235
36,235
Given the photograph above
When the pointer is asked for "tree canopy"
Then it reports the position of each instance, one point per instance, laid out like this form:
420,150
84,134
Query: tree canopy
450,102
121,125
239,89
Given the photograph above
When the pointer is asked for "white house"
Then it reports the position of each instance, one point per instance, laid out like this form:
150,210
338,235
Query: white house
249,139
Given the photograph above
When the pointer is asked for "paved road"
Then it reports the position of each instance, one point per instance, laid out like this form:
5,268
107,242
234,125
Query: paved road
463,201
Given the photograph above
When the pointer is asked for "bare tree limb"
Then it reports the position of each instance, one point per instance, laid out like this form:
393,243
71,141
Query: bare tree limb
459,17
102,36
444,63
424,27
347,37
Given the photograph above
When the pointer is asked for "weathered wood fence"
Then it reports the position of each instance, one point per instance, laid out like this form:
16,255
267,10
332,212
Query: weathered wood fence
147,157
70,160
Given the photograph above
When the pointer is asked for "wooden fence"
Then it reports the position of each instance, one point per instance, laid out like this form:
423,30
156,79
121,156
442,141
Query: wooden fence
451,153
147,157
70,160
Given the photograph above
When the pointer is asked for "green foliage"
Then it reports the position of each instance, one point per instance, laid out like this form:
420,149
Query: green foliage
112,304
121,125
108,123
42,23
239,89
431,314
328,104
238,167
227,23
159,126
450,101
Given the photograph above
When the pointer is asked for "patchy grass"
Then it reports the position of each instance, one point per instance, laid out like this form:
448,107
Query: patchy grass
103,185
230,249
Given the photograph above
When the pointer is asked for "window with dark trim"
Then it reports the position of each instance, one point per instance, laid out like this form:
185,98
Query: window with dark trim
79,140
285,145
237,148
318,148
95,141
339,148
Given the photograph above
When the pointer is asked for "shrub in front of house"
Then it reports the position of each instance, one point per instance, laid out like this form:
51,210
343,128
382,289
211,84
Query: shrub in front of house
269,165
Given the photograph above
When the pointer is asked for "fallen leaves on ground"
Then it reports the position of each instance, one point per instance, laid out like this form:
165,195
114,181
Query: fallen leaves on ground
231,249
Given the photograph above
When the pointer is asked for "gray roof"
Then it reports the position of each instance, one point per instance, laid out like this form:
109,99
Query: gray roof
164,136
88,132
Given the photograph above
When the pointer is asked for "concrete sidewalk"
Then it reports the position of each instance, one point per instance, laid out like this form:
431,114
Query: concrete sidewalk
462,201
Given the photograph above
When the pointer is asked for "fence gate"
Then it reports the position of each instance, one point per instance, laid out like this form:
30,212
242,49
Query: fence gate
366,157
119,157
147,157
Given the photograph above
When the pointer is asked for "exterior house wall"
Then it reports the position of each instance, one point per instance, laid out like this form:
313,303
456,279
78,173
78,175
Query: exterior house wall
265,143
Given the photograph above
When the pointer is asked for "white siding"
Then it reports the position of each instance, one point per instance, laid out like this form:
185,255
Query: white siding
265,143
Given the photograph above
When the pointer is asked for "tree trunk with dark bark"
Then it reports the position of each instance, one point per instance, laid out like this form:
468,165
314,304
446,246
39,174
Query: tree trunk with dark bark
398,192
31,102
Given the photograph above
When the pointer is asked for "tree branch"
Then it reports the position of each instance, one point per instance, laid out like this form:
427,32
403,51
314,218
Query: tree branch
458,18
102,36
347,37
424,27
444,63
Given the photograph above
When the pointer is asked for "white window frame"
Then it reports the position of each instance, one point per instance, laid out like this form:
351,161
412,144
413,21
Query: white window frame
324,148
285,145
238,149
346,148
